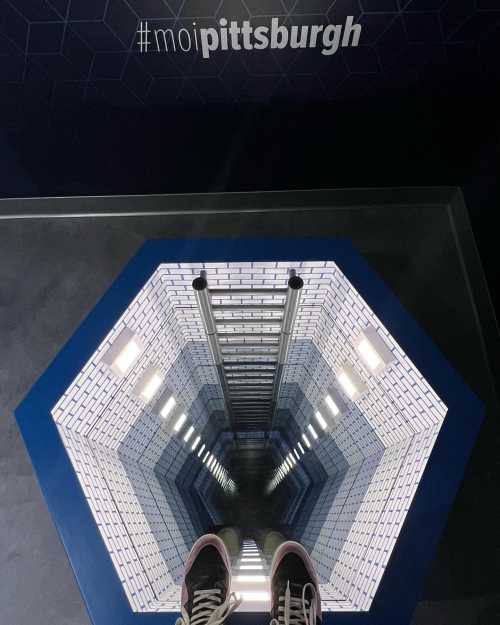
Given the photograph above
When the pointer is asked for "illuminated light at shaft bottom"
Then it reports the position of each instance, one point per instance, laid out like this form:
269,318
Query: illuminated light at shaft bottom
251,567
251,559
253,595
251,578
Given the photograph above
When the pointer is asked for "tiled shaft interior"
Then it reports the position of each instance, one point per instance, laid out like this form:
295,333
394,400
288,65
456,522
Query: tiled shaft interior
142,484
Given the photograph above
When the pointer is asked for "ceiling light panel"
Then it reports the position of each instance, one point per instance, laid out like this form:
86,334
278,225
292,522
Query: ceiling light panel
350,381
373,350
321,420
188,433
334,407
180,422
312,431
149,383
167,407
123,353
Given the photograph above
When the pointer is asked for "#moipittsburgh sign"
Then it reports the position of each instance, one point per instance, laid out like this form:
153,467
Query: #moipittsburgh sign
235,36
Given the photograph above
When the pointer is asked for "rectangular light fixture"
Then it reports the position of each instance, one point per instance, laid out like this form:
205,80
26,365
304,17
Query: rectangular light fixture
373,350
313,432
188,434
250,567
306,441
302,451
254,595
250,559
180,422
253,579
335,407
168,406
195,444
332,405
123,353
350,381
297,454
319,418
201,449
149,383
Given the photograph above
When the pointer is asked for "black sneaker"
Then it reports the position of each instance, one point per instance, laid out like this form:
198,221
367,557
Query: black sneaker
205,597
295,595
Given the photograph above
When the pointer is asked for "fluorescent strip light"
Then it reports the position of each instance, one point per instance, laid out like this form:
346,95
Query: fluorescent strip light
373,350
123,353
319,418
334,409
206,456
306,441
251,567
302,451
369,355
180,422
347,385
200,451
149,383
168,407
188,434
126,358
296,453
251,578
313,431
350,381
250,559
196,442
253,595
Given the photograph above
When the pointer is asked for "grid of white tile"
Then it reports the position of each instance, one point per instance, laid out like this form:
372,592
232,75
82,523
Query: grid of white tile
397,417
127,463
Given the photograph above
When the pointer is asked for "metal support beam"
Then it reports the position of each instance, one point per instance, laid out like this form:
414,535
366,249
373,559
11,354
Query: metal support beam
247,292
200,286
243,335
247,307
245,321
233,344
249,352
248,363
295,284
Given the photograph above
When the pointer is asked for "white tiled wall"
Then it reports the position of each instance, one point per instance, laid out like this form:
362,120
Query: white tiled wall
127,464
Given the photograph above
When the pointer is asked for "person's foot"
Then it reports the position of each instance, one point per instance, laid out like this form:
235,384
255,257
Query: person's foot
205,595
295,595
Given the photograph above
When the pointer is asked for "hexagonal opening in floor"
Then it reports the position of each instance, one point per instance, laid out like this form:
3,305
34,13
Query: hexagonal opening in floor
325,439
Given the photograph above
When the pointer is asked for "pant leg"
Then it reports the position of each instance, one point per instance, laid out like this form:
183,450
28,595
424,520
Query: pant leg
231,536
269,541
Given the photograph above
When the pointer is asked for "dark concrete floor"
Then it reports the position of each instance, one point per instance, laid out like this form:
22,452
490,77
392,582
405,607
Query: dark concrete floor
52,272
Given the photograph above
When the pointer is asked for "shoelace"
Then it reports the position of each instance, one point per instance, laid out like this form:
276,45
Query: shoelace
208,609
296,610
